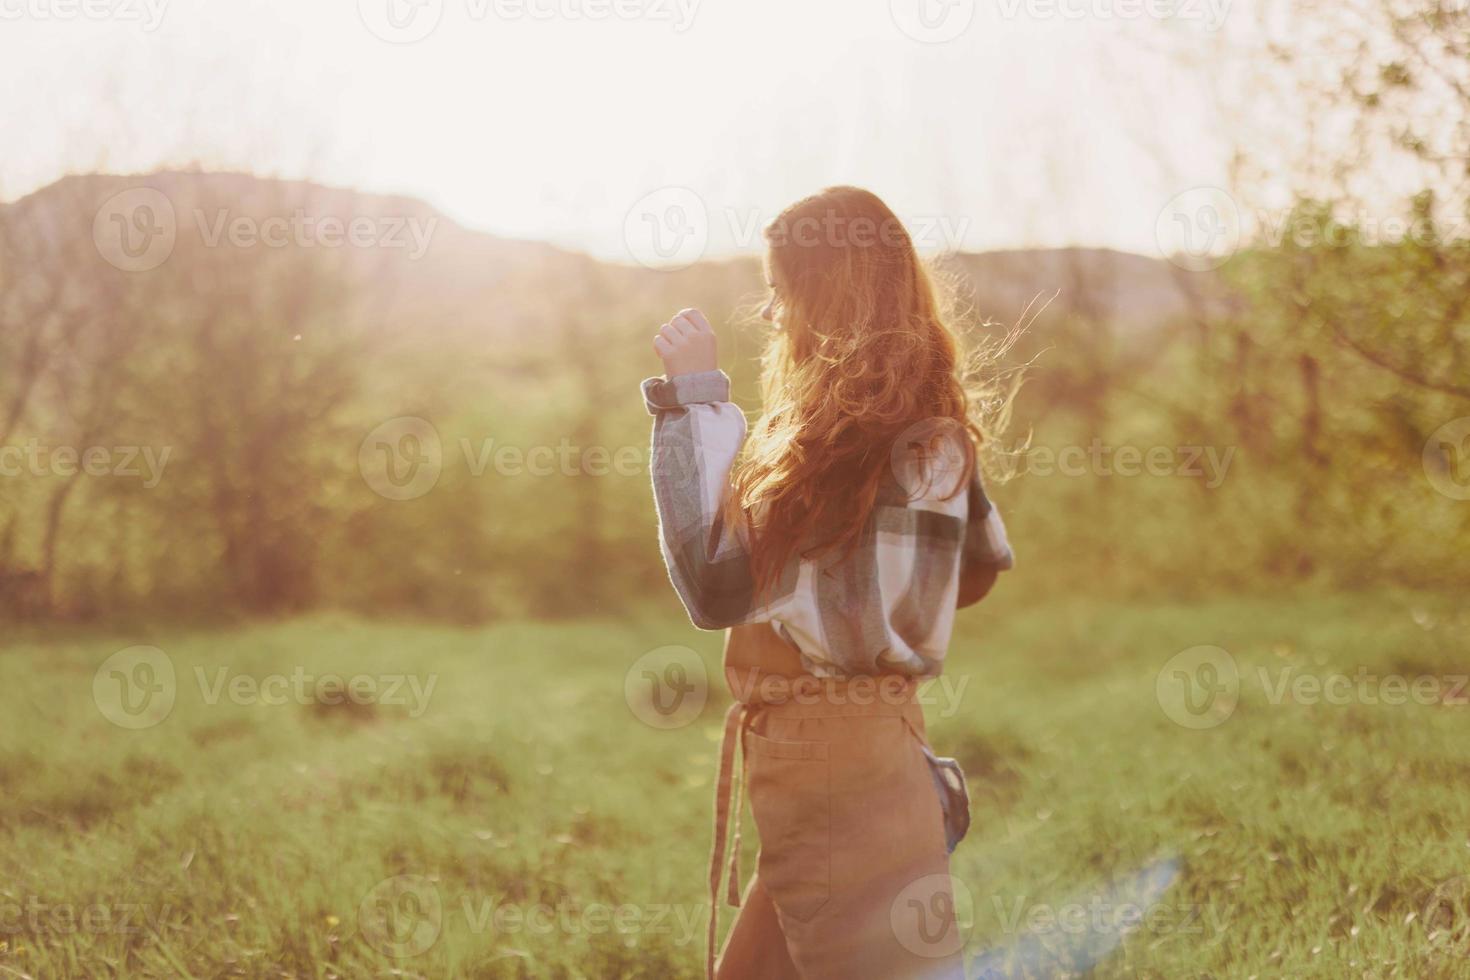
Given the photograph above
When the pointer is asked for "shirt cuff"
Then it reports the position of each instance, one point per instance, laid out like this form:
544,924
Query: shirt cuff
662,394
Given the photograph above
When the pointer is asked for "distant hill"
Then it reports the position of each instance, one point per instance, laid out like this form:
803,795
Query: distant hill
1127,290
468,285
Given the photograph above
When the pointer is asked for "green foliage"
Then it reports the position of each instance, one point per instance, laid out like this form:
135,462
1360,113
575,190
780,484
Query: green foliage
246,839
1290,399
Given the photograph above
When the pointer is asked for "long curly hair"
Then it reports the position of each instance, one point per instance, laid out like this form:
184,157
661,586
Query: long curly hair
861,359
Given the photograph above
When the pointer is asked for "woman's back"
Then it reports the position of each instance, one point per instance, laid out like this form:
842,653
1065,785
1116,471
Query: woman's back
885,603
836,540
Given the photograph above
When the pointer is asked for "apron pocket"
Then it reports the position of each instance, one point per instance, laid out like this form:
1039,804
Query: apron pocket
954,797
950,789
790,795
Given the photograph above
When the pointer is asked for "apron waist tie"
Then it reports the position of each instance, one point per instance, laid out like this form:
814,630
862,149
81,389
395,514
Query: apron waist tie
737,722
737,719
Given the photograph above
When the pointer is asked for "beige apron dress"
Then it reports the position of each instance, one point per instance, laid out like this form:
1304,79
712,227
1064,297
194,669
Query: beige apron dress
852,880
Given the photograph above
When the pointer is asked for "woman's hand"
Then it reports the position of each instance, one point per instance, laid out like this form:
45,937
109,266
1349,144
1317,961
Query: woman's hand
687,345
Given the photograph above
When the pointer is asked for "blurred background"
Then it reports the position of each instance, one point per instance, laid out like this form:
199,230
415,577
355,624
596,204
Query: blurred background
334,612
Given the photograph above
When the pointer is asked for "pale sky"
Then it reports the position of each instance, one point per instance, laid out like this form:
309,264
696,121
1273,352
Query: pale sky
1042,122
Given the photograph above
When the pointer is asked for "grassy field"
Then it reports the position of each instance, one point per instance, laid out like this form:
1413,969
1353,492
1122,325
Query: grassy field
504,810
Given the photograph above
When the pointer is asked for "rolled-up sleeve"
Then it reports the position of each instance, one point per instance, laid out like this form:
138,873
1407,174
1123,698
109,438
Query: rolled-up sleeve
986,551
697,433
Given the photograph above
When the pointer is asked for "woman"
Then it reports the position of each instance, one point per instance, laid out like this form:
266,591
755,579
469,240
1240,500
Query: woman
835,543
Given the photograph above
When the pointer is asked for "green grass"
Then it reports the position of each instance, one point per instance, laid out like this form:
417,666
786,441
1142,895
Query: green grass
250,840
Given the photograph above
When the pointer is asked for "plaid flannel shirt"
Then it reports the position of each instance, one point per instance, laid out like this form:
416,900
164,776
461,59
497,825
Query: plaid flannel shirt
889,606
